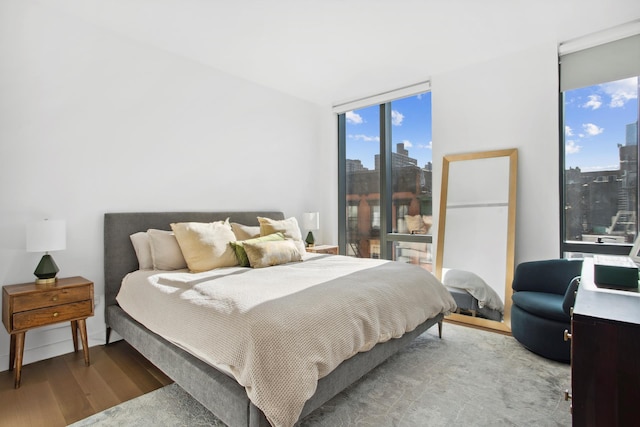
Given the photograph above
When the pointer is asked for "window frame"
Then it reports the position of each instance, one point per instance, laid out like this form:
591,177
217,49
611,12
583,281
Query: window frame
581,247
387,235
601,57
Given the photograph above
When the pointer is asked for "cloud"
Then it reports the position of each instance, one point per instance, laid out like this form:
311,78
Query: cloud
428,146
594,102
621,91
571,147
407,143
568,131
365,138
396,118
599,168
354,118
591,129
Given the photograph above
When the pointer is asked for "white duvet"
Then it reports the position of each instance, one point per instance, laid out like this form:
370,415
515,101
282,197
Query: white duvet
280,329
472,283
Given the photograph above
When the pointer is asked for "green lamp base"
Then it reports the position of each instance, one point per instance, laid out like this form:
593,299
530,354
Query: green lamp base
46,270
310,239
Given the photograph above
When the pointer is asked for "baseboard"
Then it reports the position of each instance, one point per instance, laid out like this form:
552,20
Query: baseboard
53,349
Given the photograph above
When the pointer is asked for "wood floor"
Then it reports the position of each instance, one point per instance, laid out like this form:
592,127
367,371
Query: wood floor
62,390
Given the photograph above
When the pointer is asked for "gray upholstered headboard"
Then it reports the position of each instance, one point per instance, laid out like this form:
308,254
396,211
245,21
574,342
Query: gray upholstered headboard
119,256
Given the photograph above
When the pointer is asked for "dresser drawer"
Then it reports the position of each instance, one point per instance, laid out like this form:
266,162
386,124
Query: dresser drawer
50,298
46,316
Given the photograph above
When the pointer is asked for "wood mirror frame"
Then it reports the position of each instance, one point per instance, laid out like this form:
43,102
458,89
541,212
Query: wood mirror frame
482,174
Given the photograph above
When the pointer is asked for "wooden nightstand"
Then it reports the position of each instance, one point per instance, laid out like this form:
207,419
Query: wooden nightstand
27,306
323,249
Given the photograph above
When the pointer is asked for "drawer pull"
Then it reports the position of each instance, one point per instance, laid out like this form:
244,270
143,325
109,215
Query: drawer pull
567,335
54,298
55,314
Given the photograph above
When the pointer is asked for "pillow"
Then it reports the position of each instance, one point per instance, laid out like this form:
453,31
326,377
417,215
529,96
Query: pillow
289,227
205,246
244,232
165,251
428,222
266,254
415,224
241,254
141,245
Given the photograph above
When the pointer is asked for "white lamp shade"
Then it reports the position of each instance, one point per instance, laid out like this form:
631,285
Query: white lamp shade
311,220
46,235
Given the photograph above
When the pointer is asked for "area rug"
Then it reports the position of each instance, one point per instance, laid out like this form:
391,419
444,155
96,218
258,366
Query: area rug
469,377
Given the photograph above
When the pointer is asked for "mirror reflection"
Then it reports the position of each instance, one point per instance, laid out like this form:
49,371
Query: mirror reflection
476,235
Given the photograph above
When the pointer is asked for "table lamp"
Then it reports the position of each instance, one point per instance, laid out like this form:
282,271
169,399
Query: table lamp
46,236
311,222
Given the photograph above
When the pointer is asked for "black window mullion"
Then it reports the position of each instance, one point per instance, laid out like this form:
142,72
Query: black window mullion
342,184
386,190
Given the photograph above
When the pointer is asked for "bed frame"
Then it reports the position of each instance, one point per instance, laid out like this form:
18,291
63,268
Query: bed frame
218,392
468,304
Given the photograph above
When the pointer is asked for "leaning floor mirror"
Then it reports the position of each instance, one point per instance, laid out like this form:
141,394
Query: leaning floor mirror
476,235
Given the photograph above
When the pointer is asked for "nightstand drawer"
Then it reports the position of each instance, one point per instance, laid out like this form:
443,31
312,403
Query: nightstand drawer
323,249
50,298
46,316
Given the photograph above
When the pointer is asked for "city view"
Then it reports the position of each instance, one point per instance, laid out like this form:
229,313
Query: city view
411,125
411,168
601,162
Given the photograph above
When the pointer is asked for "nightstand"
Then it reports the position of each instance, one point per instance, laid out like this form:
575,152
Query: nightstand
323,249
27,306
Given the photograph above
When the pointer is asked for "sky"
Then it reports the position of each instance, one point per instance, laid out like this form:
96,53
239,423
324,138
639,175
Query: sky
595,120
411,124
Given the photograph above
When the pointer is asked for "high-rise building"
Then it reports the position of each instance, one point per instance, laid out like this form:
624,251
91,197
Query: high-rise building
399,159
602,204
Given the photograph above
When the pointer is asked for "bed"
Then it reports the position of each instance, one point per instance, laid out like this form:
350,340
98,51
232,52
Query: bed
473,296
213,387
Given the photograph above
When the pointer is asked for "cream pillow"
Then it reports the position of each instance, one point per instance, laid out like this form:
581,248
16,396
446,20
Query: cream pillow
165,251
141,245
241,254
245,232
205,246
268,253
428,222
417,224
289,227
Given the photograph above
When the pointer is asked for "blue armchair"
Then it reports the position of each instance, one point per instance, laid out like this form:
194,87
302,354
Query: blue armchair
543,294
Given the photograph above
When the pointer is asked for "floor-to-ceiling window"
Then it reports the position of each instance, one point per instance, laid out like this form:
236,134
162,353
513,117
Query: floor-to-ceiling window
362,145
599,97
385,178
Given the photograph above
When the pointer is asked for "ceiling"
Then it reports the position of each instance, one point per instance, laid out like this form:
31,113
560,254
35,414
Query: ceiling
328,51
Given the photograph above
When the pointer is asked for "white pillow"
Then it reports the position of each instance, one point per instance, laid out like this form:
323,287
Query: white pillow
165,251
205,245
141,245
418,224
289,227
245,232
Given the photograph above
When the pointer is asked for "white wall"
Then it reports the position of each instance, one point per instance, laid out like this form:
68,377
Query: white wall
508,102
91,122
